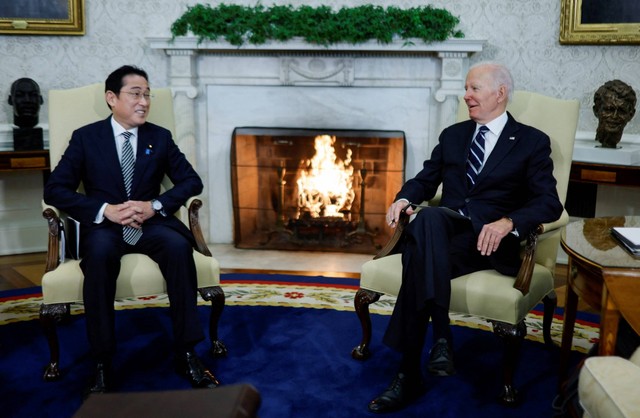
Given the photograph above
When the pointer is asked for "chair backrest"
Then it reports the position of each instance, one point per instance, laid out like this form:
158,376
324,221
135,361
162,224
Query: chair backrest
556,117
72,108
559,119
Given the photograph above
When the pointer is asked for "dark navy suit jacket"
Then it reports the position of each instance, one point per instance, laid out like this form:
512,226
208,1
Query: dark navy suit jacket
516,181
92,159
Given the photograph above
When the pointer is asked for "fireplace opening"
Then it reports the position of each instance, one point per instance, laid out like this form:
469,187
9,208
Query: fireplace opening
314,189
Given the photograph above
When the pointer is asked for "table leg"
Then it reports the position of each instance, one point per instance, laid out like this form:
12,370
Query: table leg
609,320
570,309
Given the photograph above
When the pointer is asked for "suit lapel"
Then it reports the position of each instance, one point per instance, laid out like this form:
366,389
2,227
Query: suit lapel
507,140
144,153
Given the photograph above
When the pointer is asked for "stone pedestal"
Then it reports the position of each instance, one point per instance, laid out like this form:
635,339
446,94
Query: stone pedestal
27,139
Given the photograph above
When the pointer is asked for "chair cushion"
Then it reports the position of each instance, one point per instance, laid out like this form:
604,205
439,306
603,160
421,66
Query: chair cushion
608,387
486,293
139,276
383,275
491,295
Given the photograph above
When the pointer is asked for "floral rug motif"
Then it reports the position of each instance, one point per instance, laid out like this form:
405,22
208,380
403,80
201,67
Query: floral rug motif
303,295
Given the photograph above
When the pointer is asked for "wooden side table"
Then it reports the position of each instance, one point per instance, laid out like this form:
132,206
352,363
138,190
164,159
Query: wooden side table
13,161
584,179
619,299
600,173
604,275
24,160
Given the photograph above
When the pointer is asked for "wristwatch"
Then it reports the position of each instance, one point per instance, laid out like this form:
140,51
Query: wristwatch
157,207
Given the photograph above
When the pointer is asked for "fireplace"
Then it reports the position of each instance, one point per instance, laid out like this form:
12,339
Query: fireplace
413,87
314,189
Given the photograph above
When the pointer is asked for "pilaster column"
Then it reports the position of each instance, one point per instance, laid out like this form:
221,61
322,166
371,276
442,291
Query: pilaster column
182,77
452,78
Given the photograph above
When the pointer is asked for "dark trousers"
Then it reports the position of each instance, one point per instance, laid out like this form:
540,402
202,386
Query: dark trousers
103,248
438,245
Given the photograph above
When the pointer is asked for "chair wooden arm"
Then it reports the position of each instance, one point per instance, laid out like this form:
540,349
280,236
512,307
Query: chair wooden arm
523,279
196,229
390,247
53,246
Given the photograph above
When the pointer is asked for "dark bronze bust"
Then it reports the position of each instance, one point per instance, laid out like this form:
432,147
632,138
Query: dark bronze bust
26,99
614,104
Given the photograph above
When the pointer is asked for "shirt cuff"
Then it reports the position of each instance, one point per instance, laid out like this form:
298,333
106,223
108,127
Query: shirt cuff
100,216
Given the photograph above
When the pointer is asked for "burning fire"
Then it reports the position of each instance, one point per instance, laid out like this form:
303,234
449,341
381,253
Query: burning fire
325,187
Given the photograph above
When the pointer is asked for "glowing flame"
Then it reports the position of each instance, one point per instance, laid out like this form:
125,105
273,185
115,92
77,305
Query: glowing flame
326,186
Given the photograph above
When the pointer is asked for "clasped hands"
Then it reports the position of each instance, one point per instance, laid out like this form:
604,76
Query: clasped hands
488,241
132,213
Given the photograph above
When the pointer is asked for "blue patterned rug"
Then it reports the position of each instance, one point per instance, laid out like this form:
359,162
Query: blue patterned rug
289,336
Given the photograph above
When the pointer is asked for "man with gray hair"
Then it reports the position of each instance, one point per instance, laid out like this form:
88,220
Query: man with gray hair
497,186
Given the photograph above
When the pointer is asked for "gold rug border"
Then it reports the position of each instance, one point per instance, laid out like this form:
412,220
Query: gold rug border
301,296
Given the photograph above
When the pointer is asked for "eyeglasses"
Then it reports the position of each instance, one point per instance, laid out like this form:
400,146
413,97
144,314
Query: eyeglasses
137,95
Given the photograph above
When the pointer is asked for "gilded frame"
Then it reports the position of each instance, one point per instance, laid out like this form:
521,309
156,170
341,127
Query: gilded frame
45,22
573,31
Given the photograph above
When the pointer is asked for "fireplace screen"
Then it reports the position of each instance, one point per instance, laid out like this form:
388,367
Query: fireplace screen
310,189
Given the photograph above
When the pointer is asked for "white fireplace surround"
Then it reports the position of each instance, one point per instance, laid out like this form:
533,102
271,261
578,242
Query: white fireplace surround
217,87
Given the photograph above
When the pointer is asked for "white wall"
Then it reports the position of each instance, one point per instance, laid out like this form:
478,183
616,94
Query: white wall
521,33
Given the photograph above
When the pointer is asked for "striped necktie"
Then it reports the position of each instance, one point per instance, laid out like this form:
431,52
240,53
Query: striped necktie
476,157
129,234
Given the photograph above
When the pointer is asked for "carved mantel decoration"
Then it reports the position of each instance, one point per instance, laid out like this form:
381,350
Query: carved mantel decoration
305,64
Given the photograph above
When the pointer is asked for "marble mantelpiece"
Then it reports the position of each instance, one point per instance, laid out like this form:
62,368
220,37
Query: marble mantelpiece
413,87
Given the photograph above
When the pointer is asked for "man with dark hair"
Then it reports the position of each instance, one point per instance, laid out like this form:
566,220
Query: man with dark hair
497,186
122,211
614,104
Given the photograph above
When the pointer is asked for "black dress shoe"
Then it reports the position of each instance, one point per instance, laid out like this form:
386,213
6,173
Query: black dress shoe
441,359
101,381
401,392
189,365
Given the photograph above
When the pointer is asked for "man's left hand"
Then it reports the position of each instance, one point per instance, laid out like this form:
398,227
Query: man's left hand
143,211
491,235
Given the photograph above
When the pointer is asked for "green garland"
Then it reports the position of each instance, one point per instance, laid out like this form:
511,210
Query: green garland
321,25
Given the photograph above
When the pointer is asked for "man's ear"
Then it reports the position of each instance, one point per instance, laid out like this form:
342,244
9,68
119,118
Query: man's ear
110,97
10,100
502,93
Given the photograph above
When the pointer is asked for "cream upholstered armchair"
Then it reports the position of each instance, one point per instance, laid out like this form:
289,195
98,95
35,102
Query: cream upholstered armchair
608,386
502,300
139,275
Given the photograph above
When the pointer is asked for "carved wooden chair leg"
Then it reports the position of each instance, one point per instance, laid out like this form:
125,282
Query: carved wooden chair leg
362,300
215,295
550,302
512,336
49,315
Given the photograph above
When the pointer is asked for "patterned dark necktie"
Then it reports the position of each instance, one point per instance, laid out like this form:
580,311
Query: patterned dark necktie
476,157
131,235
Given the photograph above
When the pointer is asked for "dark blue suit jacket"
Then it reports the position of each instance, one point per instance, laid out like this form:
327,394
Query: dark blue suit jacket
516,181
92,159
